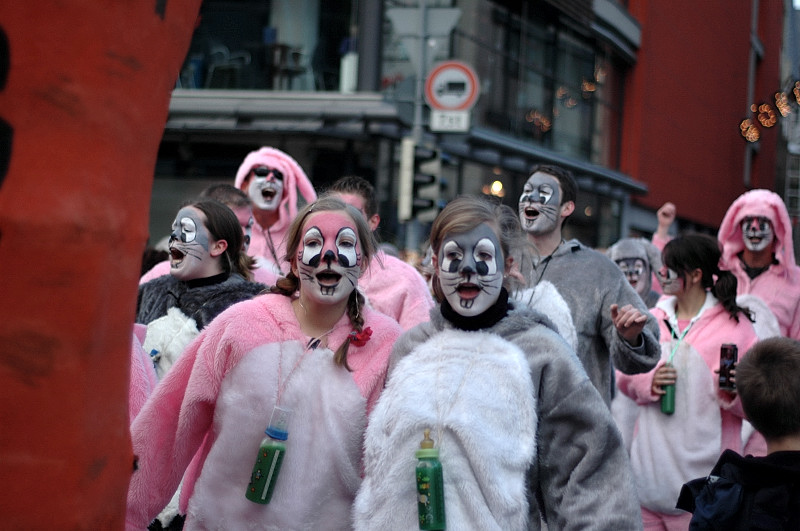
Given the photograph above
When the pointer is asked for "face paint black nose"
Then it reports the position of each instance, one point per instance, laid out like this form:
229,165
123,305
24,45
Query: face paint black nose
329,257
467,270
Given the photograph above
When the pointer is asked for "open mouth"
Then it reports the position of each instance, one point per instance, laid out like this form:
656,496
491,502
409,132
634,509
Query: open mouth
176,256
468,290
531,212
268,194
328,281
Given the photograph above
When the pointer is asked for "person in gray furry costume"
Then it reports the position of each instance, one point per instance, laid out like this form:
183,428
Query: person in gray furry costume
615,330
523,435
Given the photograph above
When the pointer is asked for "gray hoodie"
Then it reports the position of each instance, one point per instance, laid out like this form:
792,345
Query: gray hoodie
590,283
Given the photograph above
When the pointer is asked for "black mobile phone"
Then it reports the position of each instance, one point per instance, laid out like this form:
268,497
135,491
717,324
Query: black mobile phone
728,356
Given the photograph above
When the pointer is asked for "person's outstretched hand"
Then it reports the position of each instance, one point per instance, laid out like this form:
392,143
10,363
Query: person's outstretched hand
629,322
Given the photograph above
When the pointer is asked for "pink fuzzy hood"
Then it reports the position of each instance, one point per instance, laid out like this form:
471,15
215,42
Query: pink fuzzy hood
294,180
757,203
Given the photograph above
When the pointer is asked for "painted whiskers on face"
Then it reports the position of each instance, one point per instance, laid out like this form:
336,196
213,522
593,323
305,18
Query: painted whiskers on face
471,270
757,233
189,244
540,204
329,258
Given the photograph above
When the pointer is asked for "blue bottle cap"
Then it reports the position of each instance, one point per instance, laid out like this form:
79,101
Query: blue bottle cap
276,433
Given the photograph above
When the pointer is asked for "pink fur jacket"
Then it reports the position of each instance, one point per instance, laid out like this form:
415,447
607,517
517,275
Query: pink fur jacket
779,286
396,289
213,406
668,450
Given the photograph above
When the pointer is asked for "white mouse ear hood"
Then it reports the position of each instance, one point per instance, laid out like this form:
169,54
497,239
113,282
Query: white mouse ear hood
757,203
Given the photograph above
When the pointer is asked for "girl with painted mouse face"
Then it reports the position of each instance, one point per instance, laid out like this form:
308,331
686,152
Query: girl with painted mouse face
481,357
312,347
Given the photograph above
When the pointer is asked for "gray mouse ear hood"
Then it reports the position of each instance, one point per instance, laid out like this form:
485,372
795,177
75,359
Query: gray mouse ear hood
632,248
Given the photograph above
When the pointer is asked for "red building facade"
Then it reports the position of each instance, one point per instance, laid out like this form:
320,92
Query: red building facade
691,86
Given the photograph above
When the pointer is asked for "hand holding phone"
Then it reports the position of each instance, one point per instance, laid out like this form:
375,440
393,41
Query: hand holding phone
728,356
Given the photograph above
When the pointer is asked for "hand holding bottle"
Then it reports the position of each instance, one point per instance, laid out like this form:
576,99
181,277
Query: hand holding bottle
664,384
664,375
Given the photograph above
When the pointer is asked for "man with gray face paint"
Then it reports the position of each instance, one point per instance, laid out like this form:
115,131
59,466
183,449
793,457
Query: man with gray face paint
756,238
615,330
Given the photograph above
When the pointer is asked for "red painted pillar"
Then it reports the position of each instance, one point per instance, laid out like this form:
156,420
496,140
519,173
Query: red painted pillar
84,93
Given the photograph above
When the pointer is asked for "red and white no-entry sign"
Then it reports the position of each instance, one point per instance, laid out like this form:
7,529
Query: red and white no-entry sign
451,86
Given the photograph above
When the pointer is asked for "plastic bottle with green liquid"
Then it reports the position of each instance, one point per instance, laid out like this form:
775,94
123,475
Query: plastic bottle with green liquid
430,486
269,458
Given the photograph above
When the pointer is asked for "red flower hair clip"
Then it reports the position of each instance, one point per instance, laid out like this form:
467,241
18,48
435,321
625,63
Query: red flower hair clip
360,339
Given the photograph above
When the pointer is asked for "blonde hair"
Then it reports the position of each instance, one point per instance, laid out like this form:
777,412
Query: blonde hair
290,284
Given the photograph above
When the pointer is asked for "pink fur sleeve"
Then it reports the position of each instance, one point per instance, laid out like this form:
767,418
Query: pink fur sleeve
143,377
173,423
638,387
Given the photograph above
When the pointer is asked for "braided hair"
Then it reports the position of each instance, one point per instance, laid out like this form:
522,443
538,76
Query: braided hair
290,284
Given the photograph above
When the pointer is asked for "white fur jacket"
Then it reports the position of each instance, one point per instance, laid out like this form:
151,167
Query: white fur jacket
517,421
213,406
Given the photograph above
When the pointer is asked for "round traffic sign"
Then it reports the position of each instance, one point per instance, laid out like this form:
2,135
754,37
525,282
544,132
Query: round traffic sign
451,86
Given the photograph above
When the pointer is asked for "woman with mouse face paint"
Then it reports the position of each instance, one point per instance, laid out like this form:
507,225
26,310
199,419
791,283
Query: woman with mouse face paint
509,407
310,347
208,272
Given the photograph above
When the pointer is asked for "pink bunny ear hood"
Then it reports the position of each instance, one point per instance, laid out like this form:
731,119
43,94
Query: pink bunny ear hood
757,203
294,180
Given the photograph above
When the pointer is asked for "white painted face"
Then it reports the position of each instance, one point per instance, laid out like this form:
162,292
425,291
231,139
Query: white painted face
540,204
329,257
189,246
757,233
265,188
671,283
636,272
471,270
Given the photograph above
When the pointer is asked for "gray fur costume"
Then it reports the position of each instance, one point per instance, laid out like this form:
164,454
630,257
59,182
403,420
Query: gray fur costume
517,422
590,283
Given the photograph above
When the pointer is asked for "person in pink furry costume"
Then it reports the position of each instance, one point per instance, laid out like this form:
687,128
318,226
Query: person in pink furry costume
697,314
757,247
392,286
311,346
273,180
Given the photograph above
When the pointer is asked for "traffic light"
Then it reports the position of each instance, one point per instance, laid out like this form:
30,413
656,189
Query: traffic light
427,186
420,182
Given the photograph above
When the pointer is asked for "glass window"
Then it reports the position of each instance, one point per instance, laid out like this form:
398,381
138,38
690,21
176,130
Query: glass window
273,45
